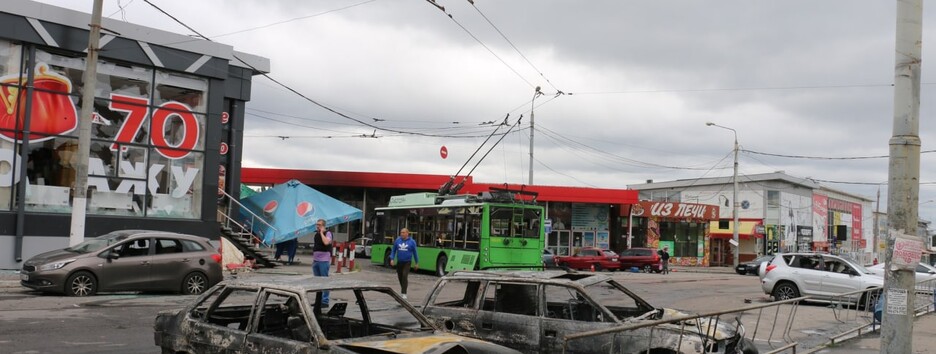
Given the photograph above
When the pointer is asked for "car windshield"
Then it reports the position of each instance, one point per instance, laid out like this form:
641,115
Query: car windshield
623,304
609,253
96,244
861,269
356,313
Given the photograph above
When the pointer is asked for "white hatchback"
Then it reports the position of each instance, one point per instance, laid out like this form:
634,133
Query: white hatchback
823,276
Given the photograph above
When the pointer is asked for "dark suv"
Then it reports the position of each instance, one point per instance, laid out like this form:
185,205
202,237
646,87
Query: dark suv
646,259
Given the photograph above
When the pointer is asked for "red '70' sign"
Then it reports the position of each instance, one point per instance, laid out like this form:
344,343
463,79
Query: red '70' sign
137,110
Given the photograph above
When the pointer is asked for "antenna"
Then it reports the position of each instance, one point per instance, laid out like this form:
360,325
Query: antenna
445,188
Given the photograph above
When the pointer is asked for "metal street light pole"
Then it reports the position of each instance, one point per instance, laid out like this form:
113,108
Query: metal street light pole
734,209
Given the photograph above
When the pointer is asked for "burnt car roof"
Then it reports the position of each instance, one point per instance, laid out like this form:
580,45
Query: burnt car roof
554,276
301,284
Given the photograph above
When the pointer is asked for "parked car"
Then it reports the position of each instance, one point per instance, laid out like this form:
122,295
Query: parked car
128,260
362,247
923,271
589,257
646,259
533,312
751,267
285,315
791,275
549,260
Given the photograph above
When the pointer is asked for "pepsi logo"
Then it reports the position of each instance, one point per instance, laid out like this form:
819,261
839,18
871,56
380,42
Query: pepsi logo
305,209
270,207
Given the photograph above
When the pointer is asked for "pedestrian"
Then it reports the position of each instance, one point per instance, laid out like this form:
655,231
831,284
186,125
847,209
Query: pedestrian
402,257
291,247
664,256
321,254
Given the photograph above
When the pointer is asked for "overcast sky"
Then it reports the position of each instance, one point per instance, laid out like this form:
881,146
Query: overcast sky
793,77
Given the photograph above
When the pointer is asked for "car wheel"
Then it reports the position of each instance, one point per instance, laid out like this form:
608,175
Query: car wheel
868,300
648,268
81,284
564,265
194,284
741,272
785,291
597,267
386,259
440,265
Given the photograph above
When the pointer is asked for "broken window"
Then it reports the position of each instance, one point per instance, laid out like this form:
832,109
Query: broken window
519,299
361,313
281,316
230,307
457,293
567,303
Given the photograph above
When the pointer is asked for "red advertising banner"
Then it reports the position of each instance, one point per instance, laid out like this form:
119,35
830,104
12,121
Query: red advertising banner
674,210
856,222
820,217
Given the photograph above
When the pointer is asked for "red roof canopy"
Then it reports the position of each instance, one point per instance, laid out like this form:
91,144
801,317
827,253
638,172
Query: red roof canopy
425,182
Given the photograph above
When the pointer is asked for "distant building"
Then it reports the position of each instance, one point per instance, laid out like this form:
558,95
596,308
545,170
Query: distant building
777,212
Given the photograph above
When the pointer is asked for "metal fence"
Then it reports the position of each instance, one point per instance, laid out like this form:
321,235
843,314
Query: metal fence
805,324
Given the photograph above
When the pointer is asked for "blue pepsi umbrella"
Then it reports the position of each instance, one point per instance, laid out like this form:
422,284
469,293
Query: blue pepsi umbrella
292,208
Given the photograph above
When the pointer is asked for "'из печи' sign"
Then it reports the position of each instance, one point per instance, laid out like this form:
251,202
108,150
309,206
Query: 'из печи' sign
908,250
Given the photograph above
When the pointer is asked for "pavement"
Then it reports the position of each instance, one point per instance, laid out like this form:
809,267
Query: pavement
924,339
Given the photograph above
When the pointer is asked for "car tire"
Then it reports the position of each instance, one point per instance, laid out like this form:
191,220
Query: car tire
785,291
81,284
874,296
440,265
386,259
597,267
740,272
194,284
564,265
648,268
747,346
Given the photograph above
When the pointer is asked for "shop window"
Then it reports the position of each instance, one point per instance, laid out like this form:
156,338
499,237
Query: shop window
177,191
50,174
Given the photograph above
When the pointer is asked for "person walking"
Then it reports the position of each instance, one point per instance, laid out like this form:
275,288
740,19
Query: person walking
402,256
321,254
664,256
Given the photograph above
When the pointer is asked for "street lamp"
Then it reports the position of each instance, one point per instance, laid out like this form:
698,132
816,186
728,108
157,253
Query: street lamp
734,178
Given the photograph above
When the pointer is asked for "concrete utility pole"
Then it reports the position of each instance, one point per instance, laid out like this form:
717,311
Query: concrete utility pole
903,190
532,106
734,209
89,79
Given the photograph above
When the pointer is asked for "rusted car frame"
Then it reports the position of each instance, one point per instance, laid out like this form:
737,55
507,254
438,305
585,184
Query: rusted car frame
286,315
543,323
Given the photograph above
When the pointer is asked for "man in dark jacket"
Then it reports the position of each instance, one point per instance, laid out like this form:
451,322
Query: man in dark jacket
664,256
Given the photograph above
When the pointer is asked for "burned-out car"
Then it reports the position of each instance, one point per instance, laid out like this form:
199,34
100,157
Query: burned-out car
534,312
287,315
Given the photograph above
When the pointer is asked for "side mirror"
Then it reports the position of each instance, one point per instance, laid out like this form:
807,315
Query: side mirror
112,255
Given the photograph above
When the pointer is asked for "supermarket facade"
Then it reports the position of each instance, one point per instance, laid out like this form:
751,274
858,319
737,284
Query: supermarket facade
166,130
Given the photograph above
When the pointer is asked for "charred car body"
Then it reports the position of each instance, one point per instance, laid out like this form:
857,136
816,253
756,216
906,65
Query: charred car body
288,315
534,311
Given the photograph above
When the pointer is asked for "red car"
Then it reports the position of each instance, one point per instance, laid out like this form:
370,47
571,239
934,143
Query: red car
645,259
590,256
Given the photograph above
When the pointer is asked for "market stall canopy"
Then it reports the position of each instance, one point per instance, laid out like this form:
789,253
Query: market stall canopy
292,208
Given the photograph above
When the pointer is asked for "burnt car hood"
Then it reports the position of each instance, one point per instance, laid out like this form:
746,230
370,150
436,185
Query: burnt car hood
434,344
51,256
725,328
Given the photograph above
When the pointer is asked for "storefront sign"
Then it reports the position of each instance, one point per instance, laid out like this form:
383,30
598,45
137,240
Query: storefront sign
675,210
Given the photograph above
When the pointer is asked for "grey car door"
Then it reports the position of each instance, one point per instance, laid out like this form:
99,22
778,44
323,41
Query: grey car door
509,316
453,305
807,270
838,277
222,328
170,263
279,325
126,266
567,311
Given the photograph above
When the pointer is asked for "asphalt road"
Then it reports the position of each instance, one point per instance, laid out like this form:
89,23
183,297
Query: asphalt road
123,323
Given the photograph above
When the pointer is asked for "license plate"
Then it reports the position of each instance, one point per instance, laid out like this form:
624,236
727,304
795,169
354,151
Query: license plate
24,277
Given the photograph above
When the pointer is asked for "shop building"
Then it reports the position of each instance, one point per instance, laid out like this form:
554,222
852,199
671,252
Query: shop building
777,212
682,228
166,129
576,216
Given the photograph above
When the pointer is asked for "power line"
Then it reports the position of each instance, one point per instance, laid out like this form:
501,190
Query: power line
827,157
293,19
763,88
480,42
512,45
294,91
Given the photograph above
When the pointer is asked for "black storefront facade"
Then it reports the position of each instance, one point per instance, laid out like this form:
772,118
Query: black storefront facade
166,130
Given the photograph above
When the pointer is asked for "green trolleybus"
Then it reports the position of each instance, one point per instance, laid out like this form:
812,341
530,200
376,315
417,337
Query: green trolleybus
463,232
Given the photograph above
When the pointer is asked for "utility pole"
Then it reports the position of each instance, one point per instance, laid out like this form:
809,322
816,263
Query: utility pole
734,209
903,190
877,229
89,79
532,106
